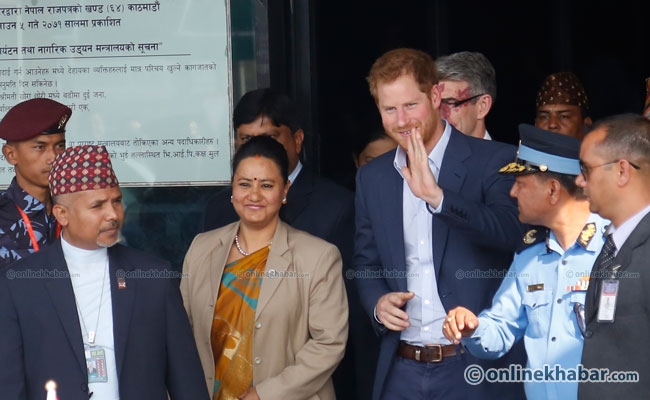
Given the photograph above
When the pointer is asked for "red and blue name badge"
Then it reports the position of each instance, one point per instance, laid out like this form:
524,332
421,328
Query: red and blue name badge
96,364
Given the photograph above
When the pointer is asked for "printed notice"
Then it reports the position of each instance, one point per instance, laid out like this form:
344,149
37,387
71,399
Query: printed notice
150,81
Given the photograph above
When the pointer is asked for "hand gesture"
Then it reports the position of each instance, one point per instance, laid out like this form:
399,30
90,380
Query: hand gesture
389,310
418,175
460,323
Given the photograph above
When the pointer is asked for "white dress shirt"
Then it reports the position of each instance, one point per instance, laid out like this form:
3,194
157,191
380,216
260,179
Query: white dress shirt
620,234
426,312
88,269
487,136
294,174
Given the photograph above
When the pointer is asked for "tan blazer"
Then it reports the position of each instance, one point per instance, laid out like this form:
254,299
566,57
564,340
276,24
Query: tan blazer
301,321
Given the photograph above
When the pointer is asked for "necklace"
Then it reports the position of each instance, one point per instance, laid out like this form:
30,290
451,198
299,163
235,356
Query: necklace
245,254
239,246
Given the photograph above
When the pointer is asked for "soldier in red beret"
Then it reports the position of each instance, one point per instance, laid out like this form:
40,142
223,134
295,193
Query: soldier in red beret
34,132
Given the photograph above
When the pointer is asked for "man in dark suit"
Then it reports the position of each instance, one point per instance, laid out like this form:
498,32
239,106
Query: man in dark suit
615,165
314,205
435,226
85,300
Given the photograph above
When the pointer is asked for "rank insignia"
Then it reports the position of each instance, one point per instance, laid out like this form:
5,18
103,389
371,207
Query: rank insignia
529,237
535,287
587,234
513,167
62,122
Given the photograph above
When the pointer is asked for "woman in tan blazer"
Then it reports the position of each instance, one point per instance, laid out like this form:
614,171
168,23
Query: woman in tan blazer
266,302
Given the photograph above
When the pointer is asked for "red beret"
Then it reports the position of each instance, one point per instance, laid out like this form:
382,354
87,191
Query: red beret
81,168
34,117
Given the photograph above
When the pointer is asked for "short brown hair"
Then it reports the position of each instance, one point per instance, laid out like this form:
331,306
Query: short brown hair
399,62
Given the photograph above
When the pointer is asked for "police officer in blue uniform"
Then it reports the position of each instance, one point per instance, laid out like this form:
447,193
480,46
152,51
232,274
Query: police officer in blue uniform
542,298
34,132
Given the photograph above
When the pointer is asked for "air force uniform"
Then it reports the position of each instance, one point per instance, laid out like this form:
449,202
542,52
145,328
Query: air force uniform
542,298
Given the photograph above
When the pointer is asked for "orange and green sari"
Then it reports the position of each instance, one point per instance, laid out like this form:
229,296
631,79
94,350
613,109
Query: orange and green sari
232,327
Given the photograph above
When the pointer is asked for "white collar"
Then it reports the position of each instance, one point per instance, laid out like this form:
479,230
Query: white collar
487,136
294,174
75,254
623,232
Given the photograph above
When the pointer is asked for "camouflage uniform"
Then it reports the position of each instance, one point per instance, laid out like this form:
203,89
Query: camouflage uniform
14,237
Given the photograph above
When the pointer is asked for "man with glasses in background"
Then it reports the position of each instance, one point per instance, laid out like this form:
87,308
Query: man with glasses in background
542,298
615,161
469,88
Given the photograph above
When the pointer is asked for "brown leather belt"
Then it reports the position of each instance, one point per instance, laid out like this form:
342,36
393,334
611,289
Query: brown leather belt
430,353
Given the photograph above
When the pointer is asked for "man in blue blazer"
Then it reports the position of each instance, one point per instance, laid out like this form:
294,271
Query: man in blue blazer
101,320
435,228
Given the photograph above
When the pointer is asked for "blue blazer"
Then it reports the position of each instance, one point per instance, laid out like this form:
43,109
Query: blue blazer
40,334
477,230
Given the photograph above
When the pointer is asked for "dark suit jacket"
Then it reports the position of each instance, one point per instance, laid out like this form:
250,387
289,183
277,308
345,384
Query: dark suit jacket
623,344
40,335
314,205
477,229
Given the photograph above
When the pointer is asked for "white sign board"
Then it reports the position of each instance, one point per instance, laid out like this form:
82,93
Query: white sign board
150,81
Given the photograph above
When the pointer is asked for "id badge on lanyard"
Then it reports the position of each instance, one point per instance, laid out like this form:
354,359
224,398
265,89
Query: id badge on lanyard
607,301
96,364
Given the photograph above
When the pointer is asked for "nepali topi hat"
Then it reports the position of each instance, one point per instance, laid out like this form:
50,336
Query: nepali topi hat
82,168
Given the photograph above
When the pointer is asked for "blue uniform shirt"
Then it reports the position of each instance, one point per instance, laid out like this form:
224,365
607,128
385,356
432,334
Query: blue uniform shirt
14,237
536,300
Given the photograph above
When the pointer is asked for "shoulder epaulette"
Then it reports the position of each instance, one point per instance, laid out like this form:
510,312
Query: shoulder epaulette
532,237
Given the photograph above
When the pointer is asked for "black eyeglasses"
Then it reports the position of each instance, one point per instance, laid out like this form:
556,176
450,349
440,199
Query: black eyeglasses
457,103
584,168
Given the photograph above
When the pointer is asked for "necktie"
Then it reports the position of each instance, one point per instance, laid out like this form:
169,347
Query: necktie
606,257
604,262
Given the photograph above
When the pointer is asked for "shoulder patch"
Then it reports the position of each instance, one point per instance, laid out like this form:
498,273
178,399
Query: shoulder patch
533,236
587,234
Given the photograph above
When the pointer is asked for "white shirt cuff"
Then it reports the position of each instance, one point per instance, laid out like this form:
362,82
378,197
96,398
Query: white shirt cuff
438,209
376,318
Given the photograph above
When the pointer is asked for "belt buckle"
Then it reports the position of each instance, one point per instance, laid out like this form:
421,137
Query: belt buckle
439,346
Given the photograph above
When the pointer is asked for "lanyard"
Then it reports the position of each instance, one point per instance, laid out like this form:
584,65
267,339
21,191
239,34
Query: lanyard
93,334
30,230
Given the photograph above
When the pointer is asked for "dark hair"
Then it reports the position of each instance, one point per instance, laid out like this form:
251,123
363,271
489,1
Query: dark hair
266,147
568,182
276,106
628,137
364,141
